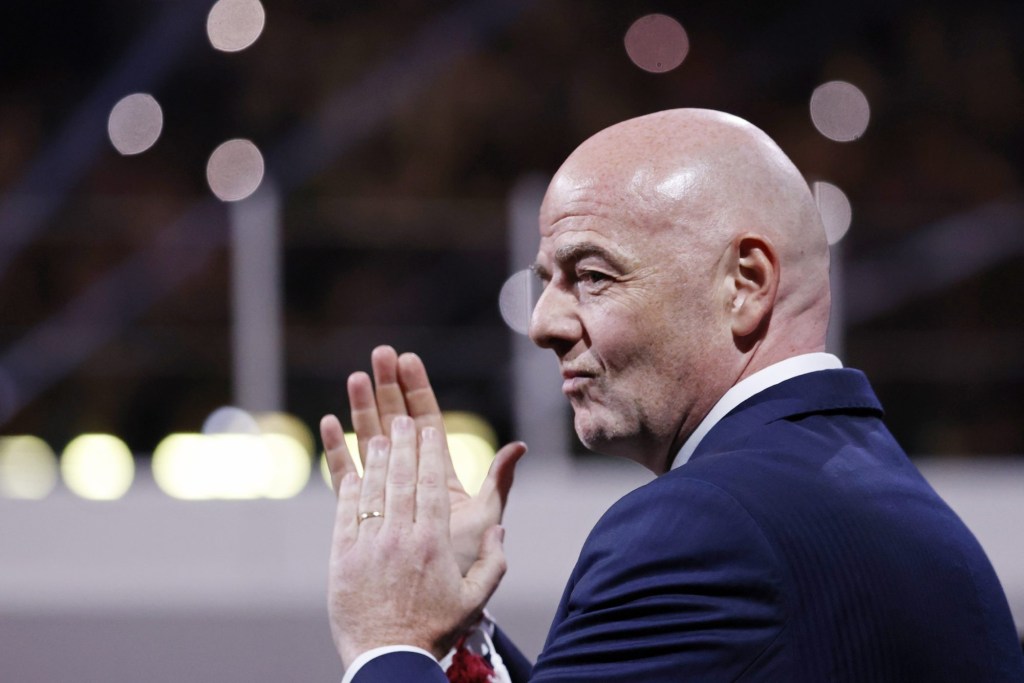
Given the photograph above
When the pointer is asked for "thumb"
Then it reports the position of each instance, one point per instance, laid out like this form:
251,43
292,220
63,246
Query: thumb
485,574
502,472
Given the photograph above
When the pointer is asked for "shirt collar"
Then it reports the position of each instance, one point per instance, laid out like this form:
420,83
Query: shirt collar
749,386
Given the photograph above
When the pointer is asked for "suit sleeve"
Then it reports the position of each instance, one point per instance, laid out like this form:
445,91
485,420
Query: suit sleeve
675,583
405,665
400,667
518,666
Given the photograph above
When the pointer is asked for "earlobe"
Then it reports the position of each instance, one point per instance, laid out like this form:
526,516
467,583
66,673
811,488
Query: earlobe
755,279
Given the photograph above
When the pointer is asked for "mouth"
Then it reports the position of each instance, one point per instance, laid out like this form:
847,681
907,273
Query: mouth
573,381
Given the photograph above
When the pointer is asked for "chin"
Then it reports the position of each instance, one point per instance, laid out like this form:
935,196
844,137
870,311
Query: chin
599,437
589,434
614,438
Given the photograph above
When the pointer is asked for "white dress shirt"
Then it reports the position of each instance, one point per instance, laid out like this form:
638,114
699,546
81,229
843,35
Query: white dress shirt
755,384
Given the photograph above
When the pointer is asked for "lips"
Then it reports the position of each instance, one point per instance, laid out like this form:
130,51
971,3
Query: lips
573,381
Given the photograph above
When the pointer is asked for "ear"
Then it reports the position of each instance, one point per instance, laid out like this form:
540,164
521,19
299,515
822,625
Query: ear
754,283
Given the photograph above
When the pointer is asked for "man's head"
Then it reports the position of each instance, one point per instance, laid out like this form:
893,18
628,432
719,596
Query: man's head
680,252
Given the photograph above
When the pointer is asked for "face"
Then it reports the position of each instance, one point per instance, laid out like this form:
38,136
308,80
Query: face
628,306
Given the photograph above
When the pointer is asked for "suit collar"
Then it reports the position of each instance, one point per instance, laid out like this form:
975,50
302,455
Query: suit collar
750,386
843,390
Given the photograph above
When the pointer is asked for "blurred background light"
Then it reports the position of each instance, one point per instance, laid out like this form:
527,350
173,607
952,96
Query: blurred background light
290,466
472,443
98,466
28,468
235,170
471,456
835,209
135,123
289,425
657,43
230,466
234,25
462,422
840,111
515,300
230,420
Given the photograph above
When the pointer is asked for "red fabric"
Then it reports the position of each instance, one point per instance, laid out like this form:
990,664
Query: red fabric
468,667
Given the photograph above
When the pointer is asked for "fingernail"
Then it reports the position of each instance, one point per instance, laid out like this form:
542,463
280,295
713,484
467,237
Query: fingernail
501,534
429,434
403,425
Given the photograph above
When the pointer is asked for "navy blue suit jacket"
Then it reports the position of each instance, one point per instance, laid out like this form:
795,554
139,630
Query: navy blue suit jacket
798,544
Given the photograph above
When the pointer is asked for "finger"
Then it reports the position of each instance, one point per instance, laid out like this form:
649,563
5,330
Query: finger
420,399
373,496
346,523
501,473
363,405
390,402
339,460
484,576
431,492
422,404
400,499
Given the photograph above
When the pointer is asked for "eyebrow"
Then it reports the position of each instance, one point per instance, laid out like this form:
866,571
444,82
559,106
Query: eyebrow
571,253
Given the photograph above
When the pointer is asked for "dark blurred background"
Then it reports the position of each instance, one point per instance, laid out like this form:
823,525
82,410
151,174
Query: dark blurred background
395,133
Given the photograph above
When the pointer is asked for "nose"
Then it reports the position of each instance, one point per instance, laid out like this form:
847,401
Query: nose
555,324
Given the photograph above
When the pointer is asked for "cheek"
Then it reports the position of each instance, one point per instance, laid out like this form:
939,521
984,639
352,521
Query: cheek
667,349
618,338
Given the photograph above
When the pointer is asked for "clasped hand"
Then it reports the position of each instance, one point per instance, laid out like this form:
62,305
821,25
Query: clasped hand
394,578
403,389
392,573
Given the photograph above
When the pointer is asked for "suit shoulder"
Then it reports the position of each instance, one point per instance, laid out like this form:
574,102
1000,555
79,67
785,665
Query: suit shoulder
675,517
681,561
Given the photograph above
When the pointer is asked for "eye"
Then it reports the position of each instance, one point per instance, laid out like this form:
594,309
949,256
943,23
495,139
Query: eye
592,277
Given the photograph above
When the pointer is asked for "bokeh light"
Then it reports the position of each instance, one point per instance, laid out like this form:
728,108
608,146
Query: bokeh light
840,111
515,301
289,425
835,209
462,422
235,170
230,466
471,456
97,466
135,123
230,420
657,43
234,25
290,466
28,468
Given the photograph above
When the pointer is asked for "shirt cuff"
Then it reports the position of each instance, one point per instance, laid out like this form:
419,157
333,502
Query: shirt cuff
362,659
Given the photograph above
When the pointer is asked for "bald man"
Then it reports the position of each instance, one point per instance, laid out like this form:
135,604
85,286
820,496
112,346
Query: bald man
787,538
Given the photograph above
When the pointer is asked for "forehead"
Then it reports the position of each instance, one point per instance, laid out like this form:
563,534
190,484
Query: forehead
627,210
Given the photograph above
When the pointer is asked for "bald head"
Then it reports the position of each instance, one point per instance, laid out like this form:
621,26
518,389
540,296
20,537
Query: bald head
708,178
680,252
